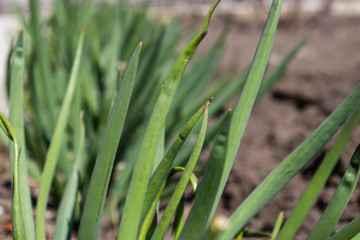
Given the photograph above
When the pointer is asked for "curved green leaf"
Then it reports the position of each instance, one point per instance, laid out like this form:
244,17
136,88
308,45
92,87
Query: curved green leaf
16,211
208,193
357,237
339,201
17,119
347,232
158,179
66,210
99,183
164,172
179,219
282,174
312,191
180,188
139,181
55,145
277,225
150,214
247,99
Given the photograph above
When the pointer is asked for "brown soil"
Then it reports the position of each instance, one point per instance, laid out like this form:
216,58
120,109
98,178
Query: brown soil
315,83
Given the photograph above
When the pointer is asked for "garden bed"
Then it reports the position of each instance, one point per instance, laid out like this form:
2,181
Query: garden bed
318,79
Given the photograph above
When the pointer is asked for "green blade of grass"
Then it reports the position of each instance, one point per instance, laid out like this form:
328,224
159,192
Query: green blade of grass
347,232
179,219
180,188
201,72
184,155
339,201
149,65
247,99
123,178
95,198
277,225
150,220
139,181
252,85
147,224
158,179
282,174
279,70
16,210
55,145
15,89
237,83
243,109
357,237
8,69
134,31
297,216
66,210
208,193
110,74
17,120
160,151
253,82
41,51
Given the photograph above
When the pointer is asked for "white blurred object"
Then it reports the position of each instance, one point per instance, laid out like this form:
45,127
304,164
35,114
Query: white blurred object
8,30
2,210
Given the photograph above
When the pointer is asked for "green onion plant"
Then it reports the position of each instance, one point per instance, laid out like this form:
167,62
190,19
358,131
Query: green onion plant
104,110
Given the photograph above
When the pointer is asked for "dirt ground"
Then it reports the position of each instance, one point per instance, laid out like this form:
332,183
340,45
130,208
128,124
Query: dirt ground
317,81
320,77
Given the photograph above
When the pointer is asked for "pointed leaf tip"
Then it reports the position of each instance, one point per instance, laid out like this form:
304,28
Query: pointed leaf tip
207,20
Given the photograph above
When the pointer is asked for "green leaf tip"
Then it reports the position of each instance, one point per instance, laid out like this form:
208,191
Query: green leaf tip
277,225
207,20
53,152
